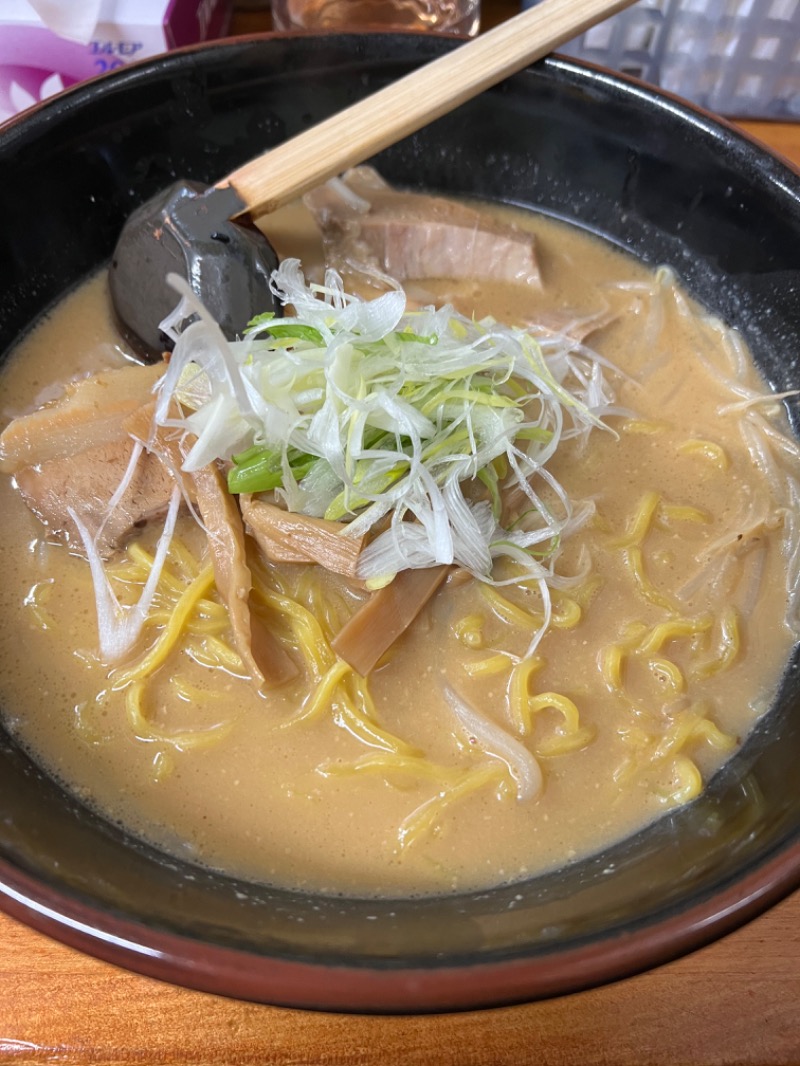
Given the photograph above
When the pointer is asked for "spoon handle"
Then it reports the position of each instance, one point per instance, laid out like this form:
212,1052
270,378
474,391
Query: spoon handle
355,134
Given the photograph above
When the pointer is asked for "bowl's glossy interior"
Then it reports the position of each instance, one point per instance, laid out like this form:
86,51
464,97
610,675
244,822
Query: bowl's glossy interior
654,176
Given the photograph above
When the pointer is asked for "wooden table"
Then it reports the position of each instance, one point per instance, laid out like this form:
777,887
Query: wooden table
737,1001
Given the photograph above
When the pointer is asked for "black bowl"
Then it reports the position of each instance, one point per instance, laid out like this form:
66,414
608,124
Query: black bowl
665,181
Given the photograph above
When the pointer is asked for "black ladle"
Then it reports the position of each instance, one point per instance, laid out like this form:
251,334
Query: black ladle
190,230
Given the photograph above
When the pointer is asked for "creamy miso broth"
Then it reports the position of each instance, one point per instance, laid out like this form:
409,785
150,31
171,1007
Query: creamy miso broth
672,616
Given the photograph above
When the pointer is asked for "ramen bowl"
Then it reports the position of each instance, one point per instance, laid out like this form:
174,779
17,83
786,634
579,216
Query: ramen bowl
664,181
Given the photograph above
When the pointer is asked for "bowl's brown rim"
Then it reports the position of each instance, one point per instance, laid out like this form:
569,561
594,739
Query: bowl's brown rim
389,986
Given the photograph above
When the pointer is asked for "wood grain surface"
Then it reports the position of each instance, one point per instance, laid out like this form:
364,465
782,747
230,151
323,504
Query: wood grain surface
735,1002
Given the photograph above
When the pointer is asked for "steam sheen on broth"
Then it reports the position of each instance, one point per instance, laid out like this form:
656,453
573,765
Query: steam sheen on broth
673,613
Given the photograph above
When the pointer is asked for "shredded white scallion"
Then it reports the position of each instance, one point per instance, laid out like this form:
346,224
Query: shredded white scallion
521,763
119,626
371,409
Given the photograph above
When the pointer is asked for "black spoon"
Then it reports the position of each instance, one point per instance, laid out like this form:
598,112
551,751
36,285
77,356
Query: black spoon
187,229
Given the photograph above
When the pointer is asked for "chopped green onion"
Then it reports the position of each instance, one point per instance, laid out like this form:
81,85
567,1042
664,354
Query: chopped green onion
295,331
535,433
407,335
256,470
260,320
349,503
488,475
261,470
251,453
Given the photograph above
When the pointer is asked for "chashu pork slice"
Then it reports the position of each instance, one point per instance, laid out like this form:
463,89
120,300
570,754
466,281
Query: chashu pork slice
88,414
368,225
74,453
86,482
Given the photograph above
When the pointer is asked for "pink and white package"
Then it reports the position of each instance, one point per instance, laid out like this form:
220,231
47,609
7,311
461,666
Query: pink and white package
49,45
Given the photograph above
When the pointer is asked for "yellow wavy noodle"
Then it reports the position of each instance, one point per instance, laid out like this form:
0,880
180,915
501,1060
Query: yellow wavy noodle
627,770
565,613
650,753
566,743
509,612
427,817
642,427
358,687
728,646
652,511
208,610
139,563
668,673
519,693
676,736
642,642
357,714
632,633
599,523
668,513
612,665
306,633
394,766
639,736
523,706
85,722
182,741
490,666
338,688
171,633
708,450
163,765
346,694
324,696
322,610
128,573
686,782
197,624
202,620
35,602
711,733
584,593
322,602
208,617
217,654
469,630
309,614
639,524
190,693
690,725
633,558
569,737
453,783
146,730
184,559
673,629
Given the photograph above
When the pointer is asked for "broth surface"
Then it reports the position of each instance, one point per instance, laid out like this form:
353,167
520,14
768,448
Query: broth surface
299,804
